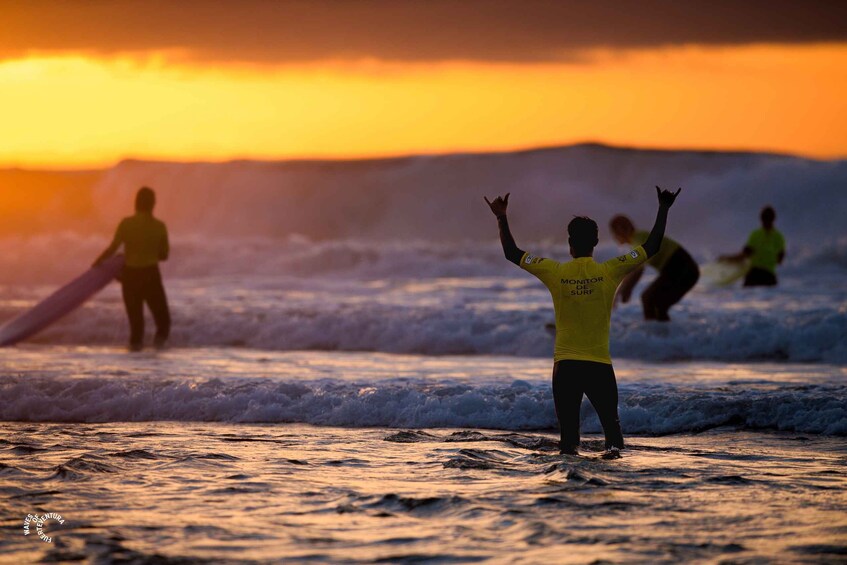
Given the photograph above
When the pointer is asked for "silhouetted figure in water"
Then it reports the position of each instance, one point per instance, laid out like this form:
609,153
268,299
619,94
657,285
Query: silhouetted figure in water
583,292
145,241
678,272
765,248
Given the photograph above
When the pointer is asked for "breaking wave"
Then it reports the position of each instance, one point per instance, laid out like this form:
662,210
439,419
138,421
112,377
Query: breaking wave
645,408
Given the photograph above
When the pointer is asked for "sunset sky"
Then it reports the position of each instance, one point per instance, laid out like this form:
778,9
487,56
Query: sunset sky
84,84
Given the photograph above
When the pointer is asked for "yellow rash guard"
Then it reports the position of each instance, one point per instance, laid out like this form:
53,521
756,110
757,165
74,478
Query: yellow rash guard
666,249
583,291
145,240
766,246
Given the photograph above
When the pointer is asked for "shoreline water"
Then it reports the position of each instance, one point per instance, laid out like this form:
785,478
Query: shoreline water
190,492
174,466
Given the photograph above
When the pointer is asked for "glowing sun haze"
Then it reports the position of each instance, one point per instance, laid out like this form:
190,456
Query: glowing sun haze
86,84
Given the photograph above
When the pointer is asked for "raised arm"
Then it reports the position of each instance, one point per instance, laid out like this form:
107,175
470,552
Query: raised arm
654,240
510,248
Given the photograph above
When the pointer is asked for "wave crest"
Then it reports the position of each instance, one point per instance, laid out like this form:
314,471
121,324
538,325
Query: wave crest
644,408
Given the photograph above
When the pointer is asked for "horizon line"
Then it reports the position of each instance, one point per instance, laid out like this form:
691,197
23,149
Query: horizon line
434,154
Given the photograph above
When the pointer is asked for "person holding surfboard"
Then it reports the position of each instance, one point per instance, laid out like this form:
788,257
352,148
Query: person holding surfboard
678,272
145,242
765,250
583,292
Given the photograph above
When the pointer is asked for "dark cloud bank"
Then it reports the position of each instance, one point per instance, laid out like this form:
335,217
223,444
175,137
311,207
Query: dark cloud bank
265,31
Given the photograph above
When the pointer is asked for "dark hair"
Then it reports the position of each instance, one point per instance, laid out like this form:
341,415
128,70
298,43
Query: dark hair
145,199
768,215
582,232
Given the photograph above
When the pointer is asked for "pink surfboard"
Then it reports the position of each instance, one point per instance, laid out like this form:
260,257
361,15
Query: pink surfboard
62,302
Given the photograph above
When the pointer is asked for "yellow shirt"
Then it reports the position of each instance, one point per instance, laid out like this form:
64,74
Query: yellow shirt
667,248
583,291
766,246
145,240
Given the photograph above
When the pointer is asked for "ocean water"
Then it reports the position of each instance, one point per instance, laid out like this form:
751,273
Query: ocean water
245,455
457,298
168,492
356,374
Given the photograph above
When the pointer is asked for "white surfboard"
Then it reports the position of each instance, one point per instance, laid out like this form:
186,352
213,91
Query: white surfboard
61,302
723,273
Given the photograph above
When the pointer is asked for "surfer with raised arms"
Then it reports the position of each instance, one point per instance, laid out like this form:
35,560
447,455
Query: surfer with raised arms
765,249
145,242
678,272
583,293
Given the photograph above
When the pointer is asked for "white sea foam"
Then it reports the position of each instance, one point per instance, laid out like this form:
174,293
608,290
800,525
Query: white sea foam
402,255
804,320
645,408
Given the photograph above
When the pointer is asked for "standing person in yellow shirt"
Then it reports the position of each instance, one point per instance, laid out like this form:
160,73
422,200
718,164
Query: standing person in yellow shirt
145,241
765,248
678,272
583,292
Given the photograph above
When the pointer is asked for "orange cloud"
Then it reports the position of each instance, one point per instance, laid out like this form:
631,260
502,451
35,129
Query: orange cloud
83,112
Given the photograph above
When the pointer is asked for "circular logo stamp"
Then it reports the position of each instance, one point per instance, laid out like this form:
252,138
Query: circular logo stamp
39,521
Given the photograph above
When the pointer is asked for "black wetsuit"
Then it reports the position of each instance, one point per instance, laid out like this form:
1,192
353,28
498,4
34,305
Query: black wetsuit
759,277
144,285
572,379
677,277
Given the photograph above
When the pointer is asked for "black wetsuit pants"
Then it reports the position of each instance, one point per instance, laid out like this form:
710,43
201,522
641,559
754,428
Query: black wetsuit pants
678,276
572,379
144,285
759,277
